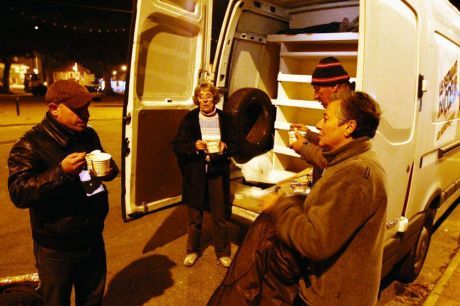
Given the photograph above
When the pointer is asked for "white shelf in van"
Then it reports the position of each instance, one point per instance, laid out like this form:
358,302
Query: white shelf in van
320,54
343,37
285,150
286,126
298,103
299,78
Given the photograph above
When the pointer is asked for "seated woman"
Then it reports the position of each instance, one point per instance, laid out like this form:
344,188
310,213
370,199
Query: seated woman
203,145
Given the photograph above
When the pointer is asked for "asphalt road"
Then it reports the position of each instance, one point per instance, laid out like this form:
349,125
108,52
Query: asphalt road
145,256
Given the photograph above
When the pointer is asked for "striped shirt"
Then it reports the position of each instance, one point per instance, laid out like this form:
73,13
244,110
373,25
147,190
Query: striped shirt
209,126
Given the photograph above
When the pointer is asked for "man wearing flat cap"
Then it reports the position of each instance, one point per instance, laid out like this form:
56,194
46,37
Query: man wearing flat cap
330,81
47,171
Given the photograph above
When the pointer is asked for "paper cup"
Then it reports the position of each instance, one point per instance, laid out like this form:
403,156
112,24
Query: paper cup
299,187
292,137
213,146
99,163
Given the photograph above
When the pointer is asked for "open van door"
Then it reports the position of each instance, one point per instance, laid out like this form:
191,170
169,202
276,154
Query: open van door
170,53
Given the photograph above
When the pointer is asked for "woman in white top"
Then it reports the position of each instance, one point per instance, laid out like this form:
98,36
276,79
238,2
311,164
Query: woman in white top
203,144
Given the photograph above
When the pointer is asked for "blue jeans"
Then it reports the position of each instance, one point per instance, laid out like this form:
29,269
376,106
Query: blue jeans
59,271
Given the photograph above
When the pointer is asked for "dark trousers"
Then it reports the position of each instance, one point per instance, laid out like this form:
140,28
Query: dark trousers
217,209
59,271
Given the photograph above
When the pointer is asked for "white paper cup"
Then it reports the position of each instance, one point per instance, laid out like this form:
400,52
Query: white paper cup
292,137
300,187
99,163
213,146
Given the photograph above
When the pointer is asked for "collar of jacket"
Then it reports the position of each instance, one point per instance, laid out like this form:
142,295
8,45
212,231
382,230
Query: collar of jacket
355,147
57,131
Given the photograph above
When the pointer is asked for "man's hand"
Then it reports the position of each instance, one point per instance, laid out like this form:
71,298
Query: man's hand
298,126
297,145
201,145
73,163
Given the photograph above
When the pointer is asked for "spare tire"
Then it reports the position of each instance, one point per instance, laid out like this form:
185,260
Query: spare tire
253,116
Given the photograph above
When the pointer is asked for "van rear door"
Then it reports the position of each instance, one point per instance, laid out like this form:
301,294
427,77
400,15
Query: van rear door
170,50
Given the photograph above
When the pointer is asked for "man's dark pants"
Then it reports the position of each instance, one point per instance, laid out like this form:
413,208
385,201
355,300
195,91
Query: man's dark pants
58,270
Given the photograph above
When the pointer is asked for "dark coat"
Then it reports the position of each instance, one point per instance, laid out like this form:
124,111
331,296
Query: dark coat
340,228
61,215
192,163
333,243
264,271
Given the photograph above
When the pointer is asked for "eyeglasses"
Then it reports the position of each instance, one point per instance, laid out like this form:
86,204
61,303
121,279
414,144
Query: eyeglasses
206,97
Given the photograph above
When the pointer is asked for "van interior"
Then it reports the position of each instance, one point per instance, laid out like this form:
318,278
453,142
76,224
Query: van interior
275,47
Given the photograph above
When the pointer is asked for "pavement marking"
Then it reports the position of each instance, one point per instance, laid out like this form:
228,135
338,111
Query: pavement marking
439,288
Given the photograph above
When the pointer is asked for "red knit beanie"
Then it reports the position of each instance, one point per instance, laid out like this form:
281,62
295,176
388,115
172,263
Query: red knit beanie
329,72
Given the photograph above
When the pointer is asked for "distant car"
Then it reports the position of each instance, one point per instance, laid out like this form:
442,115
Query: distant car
39,90
93,88
35,85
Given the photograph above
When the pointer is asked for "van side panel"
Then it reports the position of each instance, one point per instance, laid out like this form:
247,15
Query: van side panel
438,128
390,75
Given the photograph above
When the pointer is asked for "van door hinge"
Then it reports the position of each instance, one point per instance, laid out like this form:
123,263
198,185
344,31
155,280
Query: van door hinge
125,147
127,119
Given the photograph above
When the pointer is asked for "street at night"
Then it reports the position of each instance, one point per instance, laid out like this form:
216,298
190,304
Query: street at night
145,255
333,125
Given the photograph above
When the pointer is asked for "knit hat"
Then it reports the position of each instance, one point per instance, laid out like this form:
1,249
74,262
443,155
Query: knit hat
329,72
70,93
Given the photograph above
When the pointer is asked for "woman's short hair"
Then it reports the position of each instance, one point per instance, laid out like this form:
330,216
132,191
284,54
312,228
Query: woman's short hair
362,108
209,87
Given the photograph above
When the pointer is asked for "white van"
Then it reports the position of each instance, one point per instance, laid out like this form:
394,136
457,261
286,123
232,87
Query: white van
405,53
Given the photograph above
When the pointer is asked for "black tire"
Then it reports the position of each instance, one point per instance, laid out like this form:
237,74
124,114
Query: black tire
253,116
411,265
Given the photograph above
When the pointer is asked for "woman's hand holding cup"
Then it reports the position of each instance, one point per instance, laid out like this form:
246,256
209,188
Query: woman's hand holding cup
201,145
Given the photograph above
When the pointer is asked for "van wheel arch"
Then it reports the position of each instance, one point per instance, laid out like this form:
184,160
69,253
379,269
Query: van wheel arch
253,116
411,265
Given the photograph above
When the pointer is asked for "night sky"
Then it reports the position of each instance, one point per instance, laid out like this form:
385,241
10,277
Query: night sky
95,33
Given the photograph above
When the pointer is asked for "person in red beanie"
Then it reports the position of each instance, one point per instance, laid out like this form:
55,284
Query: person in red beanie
330,82
67,204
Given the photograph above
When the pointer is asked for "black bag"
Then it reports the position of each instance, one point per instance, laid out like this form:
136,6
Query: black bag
20,294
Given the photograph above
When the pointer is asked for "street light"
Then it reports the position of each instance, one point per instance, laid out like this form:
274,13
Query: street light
124,68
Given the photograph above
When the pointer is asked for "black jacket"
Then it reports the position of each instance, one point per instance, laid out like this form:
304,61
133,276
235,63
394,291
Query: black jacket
192,163
61,215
